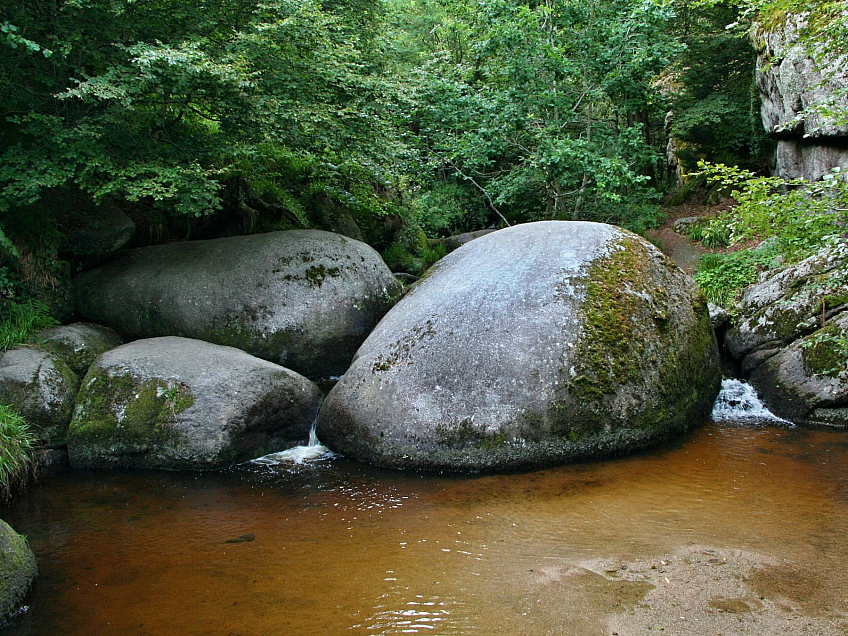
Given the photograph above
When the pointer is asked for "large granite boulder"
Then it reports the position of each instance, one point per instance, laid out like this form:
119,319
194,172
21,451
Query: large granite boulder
182,403
791,337
305,299
41,388
78,344
541,343
17,570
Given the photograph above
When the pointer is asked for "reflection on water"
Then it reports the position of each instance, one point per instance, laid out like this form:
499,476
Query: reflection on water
341,548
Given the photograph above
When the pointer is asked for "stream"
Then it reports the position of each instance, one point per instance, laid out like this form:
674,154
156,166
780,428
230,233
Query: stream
737,527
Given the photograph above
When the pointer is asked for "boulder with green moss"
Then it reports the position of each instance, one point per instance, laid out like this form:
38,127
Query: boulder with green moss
41,388
77,344
17,570
542,343
807,382
182,403
791,337
789,303
305,299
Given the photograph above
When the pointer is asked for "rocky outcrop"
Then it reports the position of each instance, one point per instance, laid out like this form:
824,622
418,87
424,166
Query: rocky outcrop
790,81
541,343
181,403
17,570
305,299
791,337
41,388
77,344
458,240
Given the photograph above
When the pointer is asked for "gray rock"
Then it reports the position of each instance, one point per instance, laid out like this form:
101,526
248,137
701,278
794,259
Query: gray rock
77,344
541,343
305,299
41,388
718,316
787,303
458,240
808,159
181,403
93,232
17,569
789,81
807,382
682,226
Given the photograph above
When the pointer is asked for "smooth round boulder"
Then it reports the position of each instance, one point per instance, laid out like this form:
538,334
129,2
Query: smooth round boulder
538,344
17,570
77,344
41,388
304,299
181,403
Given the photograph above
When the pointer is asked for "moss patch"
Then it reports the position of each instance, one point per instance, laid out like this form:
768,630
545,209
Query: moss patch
825,353
121,413
17,569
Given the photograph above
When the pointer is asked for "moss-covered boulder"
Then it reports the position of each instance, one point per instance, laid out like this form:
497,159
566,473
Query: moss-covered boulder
541,343
41,388
77,344
182,403
17,570
789,303
305,299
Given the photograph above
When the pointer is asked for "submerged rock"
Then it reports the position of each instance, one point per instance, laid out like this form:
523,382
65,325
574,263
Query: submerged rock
541,343
181,403
305,299
41,388
77,344
17,569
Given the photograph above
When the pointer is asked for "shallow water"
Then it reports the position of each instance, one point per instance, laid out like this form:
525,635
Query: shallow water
334,547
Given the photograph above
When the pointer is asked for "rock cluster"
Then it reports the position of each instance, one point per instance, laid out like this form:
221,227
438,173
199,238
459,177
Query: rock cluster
791,338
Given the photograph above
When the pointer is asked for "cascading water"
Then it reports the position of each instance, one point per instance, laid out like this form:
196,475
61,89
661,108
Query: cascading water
738,401
314,449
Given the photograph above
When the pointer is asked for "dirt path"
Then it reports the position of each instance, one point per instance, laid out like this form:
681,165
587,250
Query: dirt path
677,246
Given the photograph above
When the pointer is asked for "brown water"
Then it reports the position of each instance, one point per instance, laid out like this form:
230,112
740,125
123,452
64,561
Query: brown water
730,530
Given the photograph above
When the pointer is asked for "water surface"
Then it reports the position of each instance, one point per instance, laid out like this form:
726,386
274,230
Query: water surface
731,529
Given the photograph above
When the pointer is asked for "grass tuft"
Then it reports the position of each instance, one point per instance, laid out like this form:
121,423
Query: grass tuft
16,445
20,320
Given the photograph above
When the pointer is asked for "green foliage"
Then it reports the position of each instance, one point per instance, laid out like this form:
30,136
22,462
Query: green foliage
547,109
800,214
16,445
722,277
826,351
712,233
716,109
448,208
20,320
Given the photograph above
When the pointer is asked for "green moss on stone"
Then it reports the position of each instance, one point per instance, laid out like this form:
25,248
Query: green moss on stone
825,353
118,411
17,569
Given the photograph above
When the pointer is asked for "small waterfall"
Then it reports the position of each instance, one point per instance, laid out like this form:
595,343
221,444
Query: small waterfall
739,401
314,449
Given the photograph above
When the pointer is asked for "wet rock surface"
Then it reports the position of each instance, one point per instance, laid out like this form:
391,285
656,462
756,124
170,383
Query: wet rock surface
17,570
542,343
41,388
181,403
305,299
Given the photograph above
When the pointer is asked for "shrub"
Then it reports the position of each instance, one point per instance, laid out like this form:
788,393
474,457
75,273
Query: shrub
722,277
20,320
16,444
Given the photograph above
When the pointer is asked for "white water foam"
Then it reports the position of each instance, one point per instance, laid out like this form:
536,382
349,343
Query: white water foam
298,454
739,401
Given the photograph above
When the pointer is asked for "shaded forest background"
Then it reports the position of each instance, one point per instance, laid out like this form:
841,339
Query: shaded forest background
400,120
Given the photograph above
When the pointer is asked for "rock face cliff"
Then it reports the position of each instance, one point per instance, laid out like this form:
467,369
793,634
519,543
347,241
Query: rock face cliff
809,145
